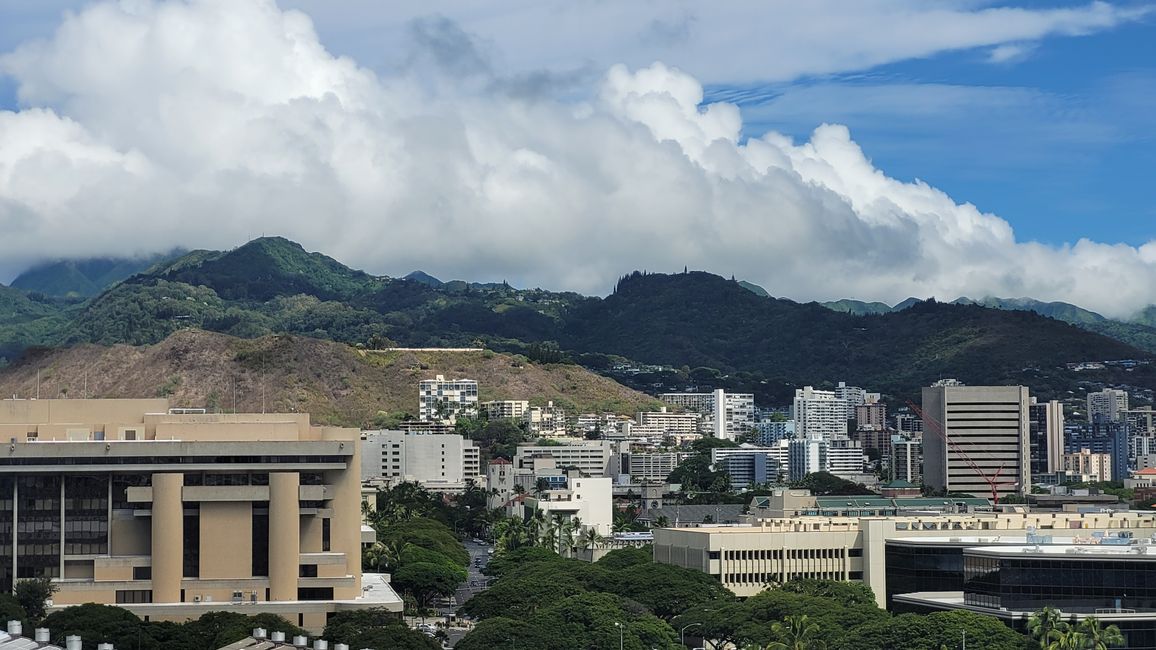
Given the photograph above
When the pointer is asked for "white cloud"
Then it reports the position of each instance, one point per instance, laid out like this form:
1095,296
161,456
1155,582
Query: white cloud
209,122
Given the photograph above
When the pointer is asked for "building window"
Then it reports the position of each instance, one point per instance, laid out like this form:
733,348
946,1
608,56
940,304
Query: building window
307,571
260,547
192,541
326,528
142,573
133,596
315,593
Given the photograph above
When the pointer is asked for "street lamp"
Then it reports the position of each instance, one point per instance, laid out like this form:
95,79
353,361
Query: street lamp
621,629
682,632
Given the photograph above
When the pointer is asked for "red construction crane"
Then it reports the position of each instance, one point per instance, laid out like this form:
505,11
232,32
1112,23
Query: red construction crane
937,428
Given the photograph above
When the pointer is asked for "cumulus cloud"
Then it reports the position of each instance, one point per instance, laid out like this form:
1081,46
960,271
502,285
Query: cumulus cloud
207,122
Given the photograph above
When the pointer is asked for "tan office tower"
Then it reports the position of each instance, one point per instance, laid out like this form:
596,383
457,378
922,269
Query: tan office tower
173,514
987,427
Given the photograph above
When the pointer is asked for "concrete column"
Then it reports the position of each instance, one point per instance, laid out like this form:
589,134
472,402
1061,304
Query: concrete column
168,537
284,534
345,527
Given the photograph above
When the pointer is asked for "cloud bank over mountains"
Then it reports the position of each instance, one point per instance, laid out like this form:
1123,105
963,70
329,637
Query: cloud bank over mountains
146,126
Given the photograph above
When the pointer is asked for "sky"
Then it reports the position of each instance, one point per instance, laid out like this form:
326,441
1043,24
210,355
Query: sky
871,149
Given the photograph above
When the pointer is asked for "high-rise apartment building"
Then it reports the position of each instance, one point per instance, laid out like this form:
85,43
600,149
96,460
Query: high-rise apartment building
906,459
853,397
447,399
1088,465
1046,436
819,414
806,456
1107,405
440,462
871,417
976,435
725,415
172,515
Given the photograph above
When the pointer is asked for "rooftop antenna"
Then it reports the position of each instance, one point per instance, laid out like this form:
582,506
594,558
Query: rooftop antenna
234,395
37,383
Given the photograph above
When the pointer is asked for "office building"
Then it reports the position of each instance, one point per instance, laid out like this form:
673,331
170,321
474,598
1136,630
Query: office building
1108,405
1141,421
906,459
504,409
979,437
819,414
724,415
446,400
175,514
591,457
746,559
1111,577
440,462
653,465
1046,436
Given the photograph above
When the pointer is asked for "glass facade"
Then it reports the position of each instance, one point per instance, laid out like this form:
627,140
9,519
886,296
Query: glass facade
1069,583
7,487
86,515
913,568
38,527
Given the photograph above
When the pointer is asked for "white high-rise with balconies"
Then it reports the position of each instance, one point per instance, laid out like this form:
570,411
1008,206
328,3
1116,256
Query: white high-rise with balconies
446,400
819,414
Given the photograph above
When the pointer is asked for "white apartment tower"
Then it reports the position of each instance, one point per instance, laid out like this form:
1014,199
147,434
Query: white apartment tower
446,400
987,427
1107,405
819,414
725,415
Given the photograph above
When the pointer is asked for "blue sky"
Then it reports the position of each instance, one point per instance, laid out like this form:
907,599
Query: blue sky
564,136
1061,143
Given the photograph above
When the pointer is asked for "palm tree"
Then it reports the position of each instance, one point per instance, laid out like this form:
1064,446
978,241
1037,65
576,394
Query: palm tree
1045,625
549,534
1099,638
590,539
1067,639
535,525
796,633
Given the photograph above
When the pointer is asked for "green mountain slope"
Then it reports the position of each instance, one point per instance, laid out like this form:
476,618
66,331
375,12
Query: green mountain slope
857,307
269,267
703,320
696,319
84,278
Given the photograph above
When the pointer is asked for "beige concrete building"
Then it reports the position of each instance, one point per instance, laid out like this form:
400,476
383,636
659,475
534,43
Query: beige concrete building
746,559
1089,466
174,514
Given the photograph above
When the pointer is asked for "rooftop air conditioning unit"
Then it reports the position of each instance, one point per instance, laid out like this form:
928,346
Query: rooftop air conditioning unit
42,635
277,637
301,641
260,633
197,598
73,643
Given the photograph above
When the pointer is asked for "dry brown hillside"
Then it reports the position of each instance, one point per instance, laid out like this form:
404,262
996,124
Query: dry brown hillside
337,384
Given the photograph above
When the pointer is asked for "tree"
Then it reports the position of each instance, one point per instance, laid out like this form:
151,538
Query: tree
1097,637
33,595
427,580
1045,625
796,633
374,628
102,624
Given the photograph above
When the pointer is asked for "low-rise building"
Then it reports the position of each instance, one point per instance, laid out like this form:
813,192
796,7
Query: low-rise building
505,409
746,559
440,462
591,457
547,421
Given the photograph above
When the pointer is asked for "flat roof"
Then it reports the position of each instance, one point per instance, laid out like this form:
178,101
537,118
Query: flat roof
1117,551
